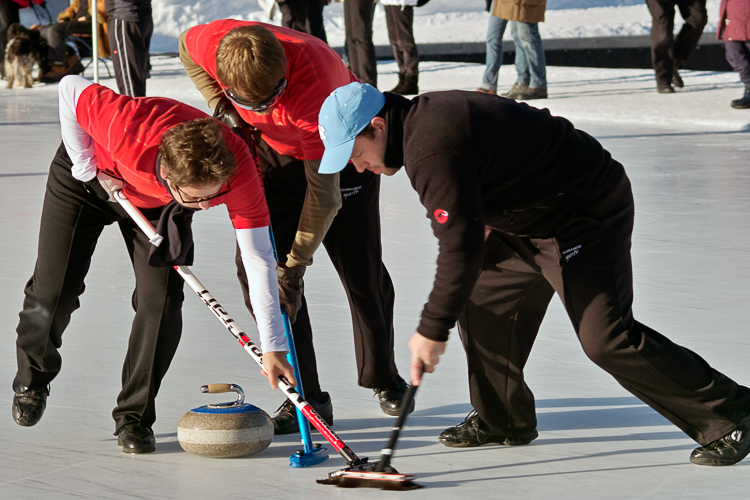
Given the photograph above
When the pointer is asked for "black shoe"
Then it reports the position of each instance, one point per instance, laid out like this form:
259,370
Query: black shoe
28,404
285,420
408,85
665,89
136,439
728,450
395,89
677,79
474,432
743,103
390,397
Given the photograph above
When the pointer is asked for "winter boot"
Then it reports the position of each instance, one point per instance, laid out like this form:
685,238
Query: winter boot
516,90
397,88
743,103
409,86
676,78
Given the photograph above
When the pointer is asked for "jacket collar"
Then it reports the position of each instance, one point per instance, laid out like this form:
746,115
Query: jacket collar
397,107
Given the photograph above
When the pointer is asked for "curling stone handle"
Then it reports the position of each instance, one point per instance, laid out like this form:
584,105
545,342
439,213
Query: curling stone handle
221,388
216,388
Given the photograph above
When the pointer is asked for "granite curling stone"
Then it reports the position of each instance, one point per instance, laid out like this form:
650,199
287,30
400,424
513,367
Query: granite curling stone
225,430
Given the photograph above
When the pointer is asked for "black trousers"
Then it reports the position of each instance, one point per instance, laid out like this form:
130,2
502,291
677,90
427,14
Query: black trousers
55,35
72,220
588,265
738,55
354,246
665,50
400,22
305,16
130,42
358,28
8,15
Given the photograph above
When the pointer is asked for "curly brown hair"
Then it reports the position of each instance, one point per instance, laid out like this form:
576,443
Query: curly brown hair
195,154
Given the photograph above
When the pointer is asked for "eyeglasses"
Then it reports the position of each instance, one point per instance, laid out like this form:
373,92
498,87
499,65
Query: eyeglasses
257,107
200,200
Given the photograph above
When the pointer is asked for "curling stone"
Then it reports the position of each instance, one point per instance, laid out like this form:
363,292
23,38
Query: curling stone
225,430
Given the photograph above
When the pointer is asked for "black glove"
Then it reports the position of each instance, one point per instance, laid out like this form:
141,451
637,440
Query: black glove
291,288
227,113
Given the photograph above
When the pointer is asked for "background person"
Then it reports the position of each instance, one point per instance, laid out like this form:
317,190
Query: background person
130,29
734,29
668,54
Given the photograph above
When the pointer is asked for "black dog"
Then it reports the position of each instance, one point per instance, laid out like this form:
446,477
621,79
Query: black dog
25,47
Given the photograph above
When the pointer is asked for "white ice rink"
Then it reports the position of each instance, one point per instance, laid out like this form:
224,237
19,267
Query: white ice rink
688,158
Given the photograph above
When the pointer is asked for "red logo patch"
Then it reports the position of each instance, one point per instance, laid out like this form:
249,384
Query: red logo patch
441,216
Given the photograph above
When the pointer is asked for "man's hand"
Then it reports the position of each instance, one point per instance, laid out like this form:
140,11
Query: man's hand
275,364
425,354
291,288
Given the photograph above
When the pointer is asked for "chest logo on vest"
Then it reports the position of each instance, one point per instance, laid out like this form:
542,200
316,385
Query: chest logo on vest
441,216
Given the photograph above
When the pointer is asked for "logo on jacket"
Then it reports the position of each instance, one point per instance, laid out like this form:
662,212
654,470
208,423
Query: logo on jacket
322,132
571,252
441,216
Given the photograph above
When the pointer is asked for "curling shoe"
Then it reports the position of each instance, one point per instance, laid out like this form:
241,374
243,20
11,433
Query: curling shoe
285,420
390,397
728,450
28,404
474,432
136,439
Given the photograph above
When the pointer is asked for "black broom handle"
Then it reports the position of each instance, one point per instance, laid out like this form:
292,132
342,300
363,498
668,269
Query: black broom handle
387,453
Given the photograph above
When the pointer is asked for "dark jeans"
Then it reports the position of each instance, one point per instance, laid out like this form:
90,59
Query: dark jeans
305,16
401,35
130,42
588,265
55,35
738,55
665,50
354,246
358,27
72,220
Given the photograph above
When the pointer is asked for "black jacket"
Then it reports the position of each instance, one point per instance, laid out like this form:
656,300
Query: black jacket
477,159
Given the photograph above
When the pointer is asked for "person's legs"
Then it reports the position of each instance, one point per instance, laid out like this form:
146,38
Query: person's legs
130,42
358,15
738,55
156,330
72,221
314,20
662,40
494,56
498,329
589,266
400,33
695,15
531,65
353,243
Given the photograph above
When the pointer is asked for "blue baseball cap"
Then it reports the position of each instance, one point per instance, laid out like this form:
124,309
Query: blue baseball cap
344,114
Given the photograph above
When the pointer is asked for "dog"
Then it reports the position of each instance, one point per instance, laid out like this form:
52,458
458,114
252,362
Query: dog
25,47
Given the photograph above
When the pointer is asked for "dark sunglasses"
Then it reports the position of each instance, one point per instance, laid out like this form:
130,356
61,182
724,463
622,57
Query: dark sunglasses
199,200
257,107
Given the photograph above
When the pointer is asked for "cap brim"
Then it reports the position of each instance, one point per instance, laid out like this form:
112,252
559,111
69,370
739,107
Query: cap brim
335,159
